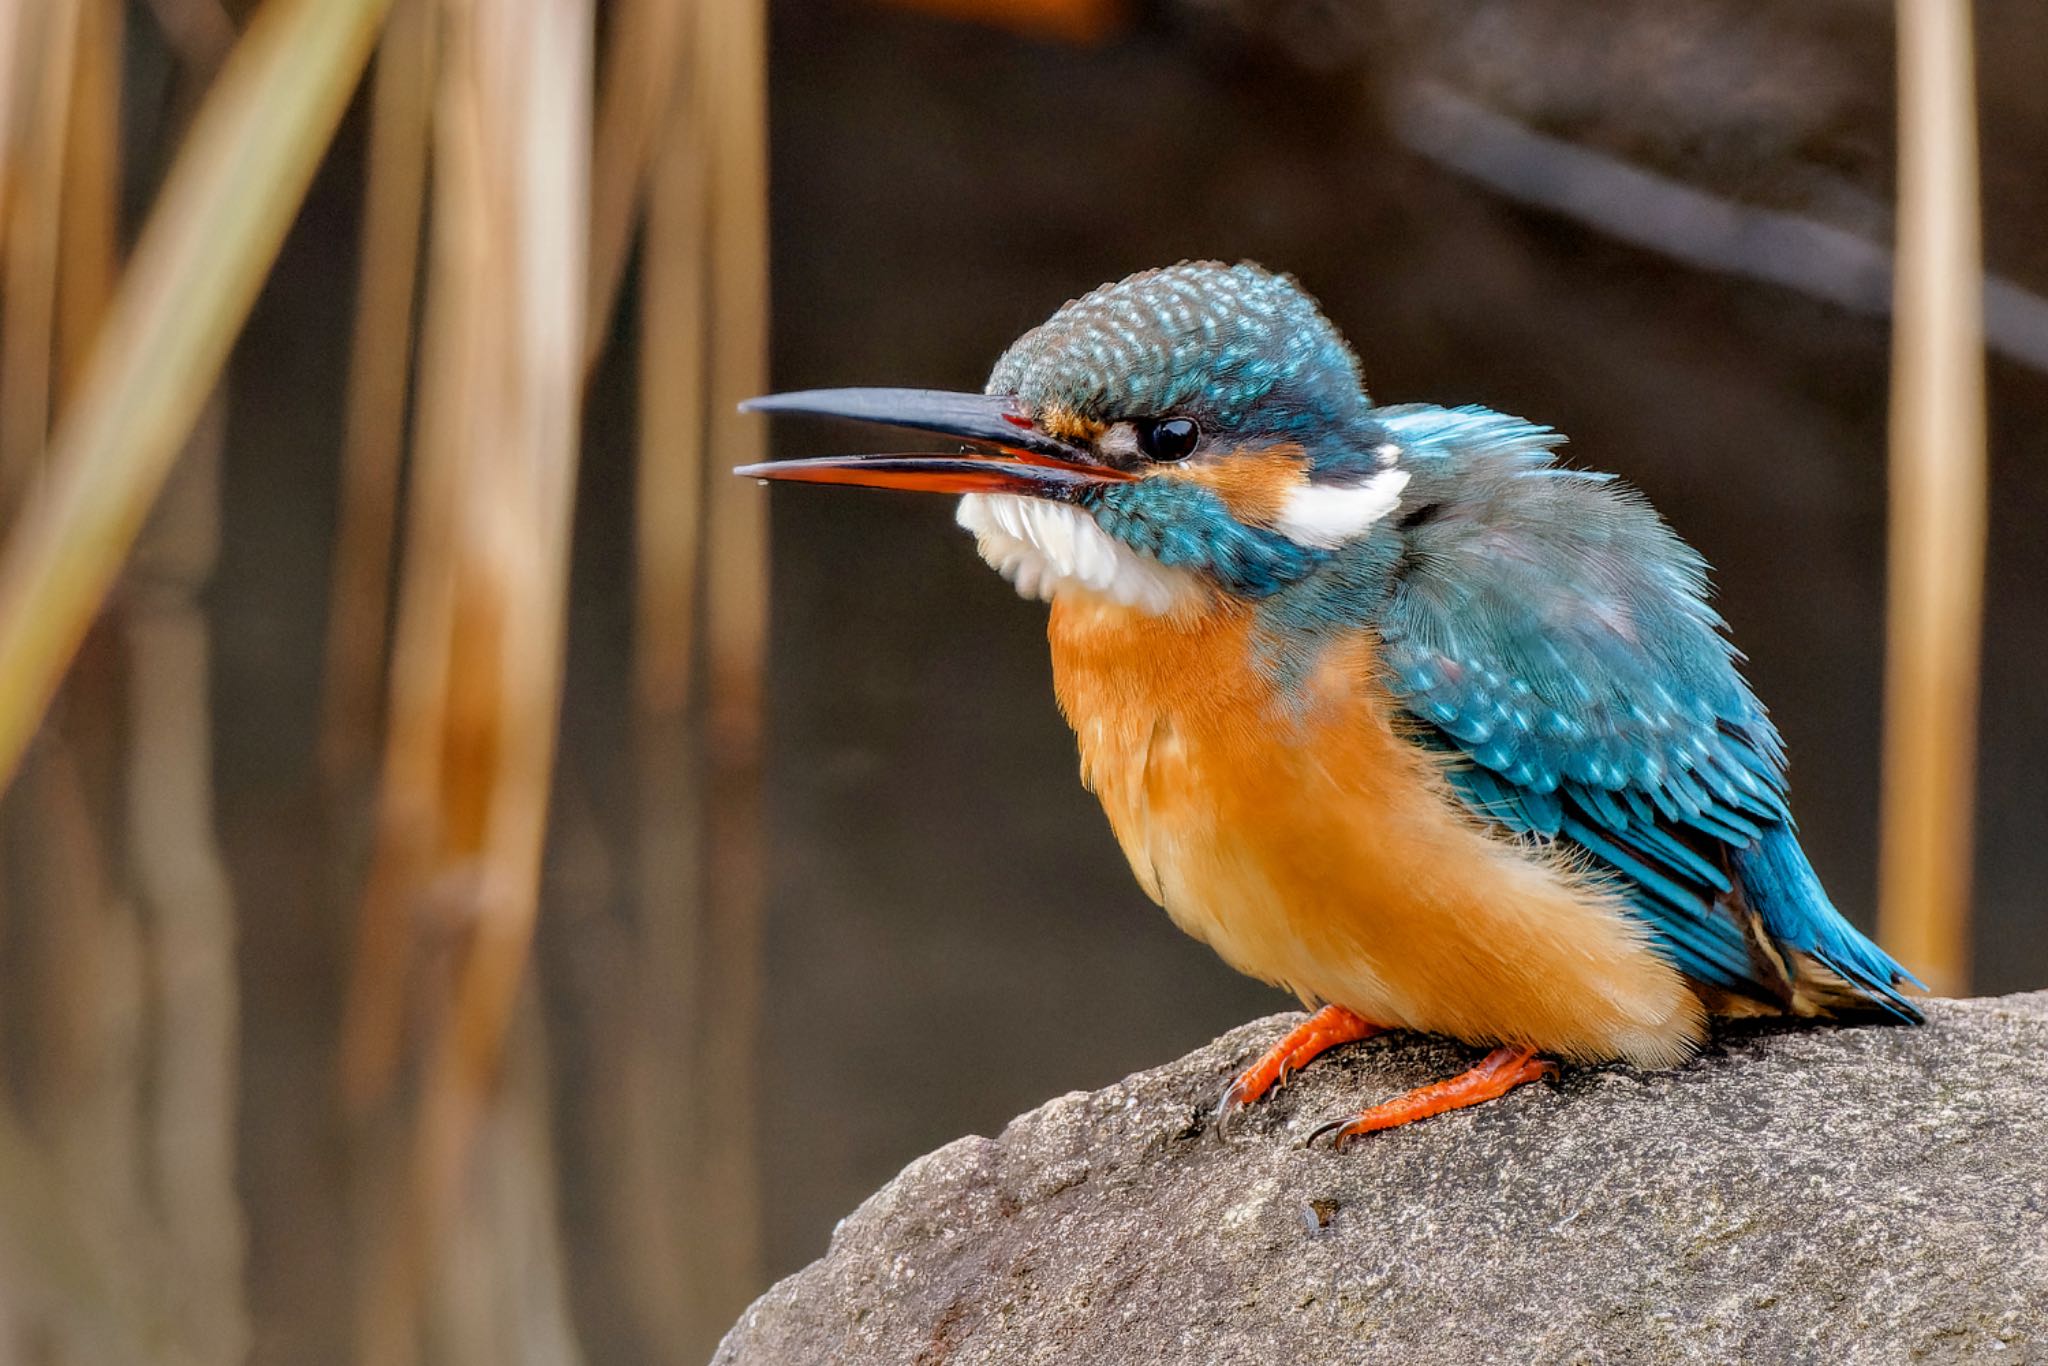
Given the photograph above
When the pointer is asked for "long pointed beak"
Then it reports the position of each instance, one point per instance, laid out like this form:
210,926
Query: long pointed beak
1020,457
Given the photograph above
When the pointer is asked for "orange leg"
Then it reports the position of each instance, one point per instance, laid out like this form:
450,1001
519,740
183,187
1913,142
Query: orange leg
1317,1034
1498,1073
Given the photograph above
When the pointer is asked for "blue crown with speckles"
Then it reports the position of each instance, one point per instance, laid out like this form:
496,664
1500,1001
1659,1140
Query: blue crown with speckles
1199,338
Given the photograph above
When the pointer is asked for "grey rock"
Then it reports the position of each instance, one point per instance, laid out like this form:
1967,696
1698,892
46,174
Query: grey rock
1867,1194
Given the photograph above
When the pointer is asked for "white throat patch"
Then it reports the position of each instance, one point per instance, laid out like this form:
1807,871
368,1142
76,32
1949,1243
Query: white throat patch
1042,546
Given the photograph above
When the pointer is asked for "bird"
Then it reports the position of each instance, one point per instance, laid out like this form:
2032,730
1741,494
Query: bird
1385,703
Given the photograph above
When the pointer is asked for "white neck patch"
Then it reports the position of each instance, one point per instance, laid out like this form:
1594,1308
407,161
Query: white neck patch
1329,515
1042,547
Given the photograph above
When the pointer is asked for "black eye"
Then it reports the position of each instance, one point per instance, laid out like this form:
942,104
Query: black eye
1167,439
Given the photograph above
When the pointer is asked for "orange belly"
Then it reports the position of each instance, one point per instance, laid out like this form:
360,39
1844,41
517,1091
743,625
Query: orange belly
1311,845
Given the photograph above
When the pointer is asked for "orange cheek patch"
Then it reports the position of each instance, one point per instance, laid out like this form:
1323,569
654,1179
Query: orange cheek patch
1253,484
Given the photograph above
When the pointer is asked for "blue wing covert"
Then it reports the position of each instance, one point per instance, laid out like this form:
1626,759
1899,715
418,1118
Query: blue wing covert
1549,629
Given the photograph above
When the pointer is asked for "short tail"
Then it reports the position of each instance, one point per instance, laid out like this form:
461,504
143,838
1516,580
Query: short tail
1786,894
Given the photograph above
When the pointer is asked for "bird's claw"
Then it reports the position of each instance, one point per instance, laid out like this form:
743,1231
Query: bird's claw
1220,1118
1242,1095
1237,1098
1328,1027
1336,1126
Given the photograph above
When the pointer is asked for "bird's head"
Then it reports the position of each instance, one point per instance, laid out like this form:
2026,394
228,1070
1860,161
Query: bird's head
1183,432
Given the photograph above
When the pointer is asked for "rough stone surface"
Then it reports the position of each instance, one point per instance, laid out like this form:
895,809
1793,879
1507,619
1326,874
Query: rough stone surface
1814,1195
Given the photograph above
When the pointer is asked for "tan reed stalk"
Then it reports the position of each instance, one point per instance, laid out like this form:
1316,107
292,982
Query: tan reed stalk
209,241
669,507
728,76
477,674
1936,570
30,274
380,360
642,55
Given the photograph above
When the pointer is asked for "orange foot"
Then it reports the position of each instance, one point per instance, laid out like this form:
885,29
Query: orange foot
1498,1073
1320,1032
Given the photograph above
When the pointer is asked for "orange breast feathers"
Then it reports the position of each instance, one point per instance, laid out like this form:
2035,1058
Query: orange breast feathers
1312,845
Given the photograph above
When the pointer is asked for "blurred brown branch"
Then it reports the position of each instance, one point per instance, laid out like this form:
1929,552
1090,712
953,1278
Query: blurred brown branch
1654,211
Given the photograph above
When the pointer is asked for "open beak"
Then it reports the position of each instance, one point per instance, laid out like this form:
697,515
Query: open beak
1018,456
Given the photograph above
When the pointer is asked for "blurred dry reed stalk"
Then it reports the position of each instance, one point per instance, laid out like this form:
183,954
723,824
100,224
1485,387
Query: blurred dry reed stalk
117,906
116,900
121,941
182,888
71,954
35,192
477,664
379,373
447,923
729,88
1938,498
203,254
650,173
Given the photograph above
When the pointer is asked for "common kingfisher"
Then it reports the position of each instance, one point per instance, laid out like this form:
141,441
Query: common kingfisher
1384,704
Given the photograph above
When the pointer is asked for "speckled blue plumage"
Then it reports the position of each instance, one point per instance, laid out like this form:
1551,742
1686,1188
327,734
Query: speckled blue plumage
1548,628
1539,625
1236,347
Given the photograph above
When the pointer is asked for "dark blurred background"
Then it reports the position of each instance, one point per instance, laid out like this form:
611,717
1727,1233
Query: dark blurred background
950,933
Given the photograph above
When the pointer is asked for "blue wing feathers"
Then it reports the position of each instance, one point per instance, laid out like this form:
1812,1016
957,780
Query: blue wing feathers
1555,637
1785,891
